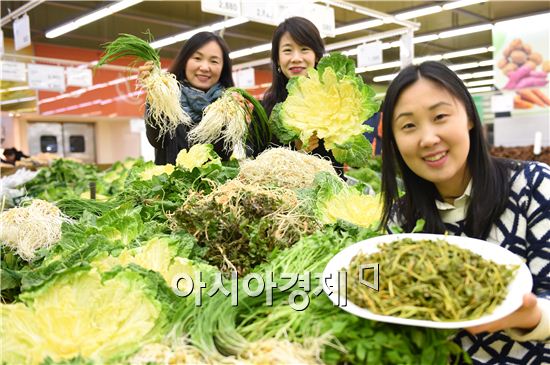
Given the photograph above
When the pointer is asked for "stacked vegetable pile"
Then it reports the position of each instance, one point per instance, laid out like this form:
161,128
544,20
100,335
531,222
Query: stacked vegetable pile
112,288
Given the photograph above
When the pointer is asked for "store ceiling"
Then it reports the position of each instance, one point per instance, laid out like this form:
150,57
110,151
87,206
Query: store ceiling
165,18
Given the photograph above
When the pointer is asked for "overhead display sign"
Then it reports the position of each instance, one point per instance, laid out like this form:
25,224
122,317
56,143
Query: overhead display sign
262,12
323,18
13,71
44,77
369,54
245,77
406,49
222,7
274,12
522,63
81,77
21,32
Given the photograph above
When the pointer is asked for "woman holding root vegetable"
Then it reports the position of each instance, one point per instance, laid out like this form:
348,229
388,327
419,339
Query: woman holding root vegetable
433,140
203,68
296,46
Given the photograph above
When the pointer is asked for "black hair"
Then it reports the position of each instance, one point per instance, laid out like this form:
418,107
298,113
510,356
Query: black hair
303,32
10,152
490,190
191,46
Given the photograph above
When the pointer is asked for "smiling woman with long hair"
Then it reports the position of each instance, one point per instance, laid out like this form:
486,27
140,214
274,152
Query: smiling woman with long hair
296,46
433,141
203,68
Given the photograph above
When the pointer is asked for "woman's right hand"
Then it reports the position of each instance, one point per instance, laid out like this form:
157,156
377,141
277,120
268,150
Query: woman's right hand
312,144
145,70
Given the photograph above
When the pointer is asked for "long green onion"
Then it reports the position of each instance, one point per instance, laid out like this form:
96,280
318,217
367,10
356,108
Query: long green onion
163,90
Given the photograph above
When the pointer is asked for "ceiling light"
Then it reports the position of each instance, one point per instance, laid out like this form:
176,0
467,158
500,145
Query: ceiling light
481,82
384,78
476,75
252,50
466,52
461,4
209,28
15,88
425,38
92,17
382,66
358,26
419,12
487,63
466,30
480,89
464,66
466,76
15,101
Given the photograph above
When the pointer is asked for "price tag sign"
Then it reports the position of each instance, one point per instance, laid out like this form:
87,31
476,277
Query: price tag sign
22,32
262,12
323,18
406,49
502,103
13,71
369,54
43,77
1,42
222,7
246,77
81,77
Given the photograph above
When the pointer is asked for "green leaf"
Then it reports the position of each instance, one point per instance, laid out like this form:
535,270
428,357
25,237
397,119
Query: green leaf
283,133
419,226
342,65
361,352
355,152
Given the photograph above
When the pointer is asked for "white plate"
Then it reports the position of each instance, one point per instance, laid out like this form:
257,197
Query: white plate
521,284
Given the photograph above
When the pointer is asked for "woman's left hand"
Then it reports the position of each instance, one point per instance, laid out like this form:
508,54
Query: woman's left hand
525,317
245,104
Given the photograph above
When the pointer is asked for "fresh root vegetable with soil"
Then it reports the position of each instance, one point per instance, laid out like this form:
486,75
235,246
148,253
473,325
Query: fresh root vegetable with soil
234,118
284,168
28,229
163,89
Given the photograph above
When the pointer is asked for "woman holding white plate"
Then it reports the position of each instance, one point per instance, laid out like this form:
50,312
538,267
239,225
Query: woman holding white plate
433,140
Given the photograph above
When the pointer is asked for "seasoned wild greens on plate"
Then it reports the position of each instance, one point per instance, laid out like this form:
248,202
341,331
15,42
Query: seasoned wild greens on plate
428,280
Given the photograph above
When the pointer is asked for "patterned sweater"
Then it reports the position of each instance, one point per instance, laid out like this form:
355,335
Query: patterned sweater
524,229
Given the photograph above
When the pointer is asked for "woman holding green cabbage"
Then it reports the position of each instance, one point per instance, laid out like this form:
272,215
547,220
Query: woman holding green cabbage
296,46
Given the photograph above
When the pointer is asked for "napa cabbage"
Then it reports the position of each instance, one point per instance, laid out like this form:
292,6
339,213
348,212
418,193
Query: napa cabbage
156,170
197,156
332,103
337,201
88,314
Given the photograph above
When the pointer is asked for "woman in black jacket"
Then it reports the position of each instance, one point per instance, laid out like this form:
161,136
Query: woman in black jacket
203,68
296,46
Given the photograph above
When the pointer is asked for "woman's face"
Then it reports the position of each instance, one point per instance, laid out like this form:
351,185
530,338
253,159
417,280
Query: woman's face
431,131
294,59
204,67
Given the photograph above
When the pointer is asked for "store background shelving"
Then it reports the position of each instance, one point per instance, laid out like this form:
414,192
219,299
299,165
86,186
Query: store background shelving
168,18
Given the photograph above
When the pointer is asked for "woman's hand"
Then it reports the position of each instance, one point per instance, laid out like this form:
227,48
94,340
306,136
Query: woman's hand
145,70
245,104
525,317
312,144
